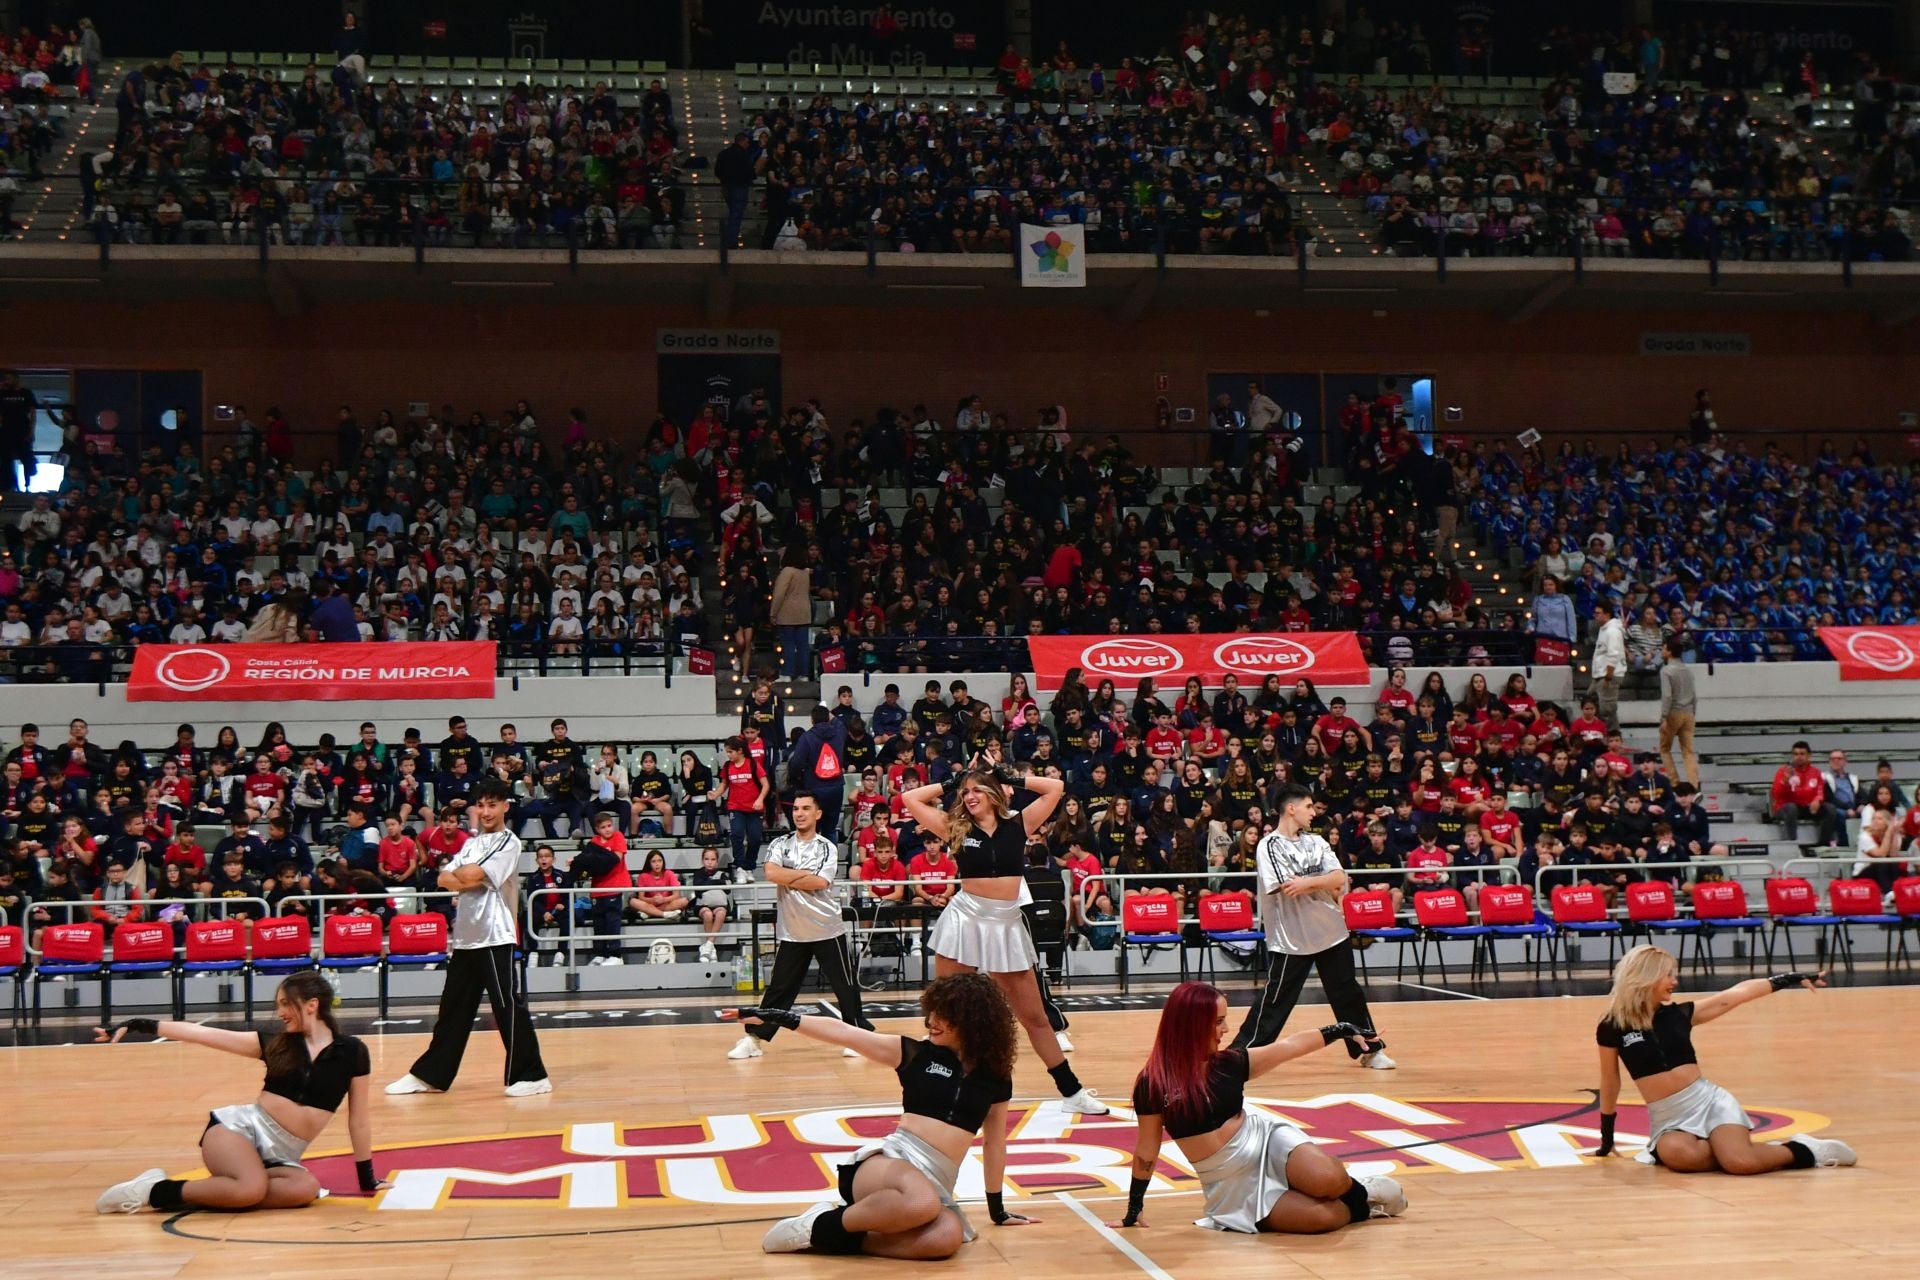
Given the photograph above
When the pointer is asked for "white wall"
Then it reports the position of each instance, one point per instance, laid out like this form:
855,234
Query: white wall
595,707
1733,692
1546,683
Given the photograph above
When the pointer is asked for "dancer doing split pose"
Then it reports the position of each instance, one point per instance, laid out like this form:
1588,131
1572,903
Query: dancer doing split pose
1256,1172
896,1195
1693,1125
982,929
253,1149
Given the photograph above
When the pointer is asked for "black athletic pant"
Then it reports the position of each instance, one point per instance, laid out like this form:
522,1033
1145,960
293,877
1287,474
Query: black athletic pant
471,972
790,961
1286,975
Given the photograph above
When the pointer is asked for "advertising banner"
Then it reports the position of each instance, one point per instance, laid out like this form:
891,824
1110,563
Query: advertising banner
1874,653
410,670
1325,657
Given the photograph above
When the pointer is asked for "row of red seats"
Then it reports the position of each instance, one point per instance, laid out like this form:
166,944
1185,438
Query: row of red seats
275,945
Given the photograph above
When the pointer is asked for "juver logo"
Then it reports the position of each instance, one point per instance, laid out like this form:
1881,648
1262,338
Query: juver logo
1129,659
1263,655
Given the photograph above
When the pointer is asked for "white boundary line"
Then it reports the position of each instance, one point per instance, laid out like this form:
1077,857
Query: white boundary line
1114,1238
1449,991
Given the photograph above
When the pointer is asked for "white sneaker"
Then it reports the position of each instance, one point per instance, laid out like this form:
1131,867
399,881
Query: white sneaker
1386,1197
849,1053
596,962
614,962
913,948
529,1088
709,953
1084,1103
746,1047
1066,1045
742,876
129,1196
795,1234
1377,1060
1827,1152
412,1084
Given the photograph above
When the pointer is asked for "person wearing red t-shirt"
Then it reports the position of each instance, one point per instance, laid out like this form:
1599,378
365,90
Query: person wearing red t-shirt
1548,727
1798,793
399,858
602,864
1588,734
189,853
1501,827
441,843
1330,726
1501,729
1463,738
935,875
1206,740
1085,869
883,893
744,785
1520,704
1397,695
1469,788
868,799
265,789
1429,788
1295,616
660,897
1164,740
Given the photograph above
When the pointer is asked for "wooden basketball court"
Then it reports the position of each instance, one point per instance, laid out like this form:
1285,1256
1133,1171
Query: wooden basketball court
657,1157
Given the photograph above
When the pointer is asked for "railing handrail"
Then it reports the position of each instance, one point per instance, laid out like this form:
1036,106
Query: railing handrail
148,906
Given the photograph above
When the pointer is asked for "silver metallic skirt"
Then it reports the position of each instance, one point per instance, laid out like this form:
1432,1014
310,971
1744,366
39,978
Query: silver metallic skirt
987,934
924,1157
1698,1109
277,1147
1243,1180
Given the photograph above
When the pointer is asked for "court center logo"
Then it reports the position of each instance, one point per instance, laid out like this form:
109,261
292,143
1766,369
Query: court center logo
1128,660
1881,650
768,1162
192,670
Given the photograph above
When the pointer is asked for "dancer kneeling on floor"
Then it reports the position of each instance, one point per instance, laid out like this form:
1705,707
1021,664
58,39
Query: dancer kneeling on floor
253,1150
897,1194
982,928
1693,1125
1257,1173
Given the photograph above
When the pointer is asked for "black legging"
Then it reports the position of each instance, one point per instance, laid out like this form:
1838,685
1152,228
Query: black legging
1286,975
790,961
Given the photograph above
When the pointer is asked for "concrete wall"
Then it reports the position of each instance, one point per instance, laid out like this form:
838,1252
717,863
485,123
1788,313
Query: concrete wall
595,707
1786,692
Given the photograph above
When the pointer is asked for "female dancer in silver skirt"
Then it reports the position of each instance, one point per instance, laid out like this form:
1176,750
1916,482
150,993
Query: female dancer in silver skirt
253,1149
1693,1125
981,930
1256,1172
897,1194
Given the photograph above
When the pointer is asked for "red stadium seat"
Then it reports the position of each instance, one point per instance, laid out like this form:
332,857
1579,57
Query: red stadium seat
1148,920
1653,909
213,946
1441,915
1793,905
413,941
1508,911
1226,919
1721,906
1369,914
77,951
1857,902
282,944
1580,911
350,942
13,962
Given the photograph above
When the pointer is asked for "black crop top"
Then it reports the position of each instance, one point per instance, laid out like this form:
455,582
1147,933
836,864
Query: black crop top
934,1084
1646,1053
1004,853
321,1082
1227,1082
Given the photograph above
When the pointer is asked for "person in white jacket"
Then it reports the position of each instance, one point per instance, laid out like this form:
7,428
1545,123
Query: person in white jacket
1609,661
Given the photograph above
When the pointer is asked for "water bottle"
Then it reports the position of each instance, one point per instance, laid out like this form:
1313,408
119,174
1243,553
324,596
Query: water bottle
743,971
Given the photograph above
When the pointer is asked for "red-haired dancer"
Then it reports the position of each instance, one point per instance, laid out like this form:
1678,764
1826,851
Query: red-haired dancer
1257,1173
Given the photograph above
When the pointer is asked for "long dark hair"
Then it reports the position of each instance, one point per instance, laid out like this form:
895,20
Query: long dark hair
1178,1069
977,1010
286,1051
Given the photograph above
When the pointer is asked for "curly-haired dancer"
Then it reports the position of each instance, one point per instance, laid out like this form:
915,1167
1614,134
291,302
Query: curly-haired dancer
252,1150
896,1195
1693,1125
1257,1173
982,929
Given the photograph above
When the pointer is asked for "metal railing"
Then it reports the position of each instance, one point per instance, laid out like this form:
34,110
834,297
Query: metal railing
82,911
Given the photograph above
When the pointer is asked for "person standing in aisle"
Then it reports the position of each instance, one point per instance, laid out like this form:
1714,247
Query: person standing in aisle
1677,705
485,874
1609,662
1301,884
808,925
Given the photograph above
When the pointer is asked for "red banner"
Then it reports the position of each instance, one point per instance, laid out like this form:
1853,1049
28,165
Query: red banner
311,672
1874,653
1325,657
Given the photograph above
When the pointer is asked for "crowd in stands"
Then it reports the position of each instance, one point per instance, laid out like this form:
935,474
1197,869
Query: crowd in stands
225,154
1733,554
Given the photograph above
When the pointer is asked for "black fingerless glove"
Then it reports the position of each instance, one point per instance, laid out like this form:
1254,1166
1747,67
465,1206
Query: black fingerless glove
1786,981
1345,1031
145,1026
369,1180
1606,1134
785,1019
997,1207
1007,774
1136,1200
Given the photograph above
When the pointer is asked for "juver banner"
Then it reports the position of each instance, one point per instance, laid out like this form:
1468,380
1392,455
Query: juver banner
1325,657
311,672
